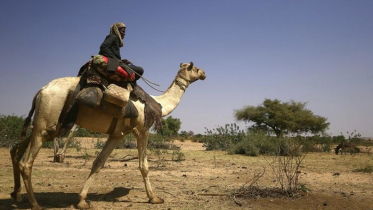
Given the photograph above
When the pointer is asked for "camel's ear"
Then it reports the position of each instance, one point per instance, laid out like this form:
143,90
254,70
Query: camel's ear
181,64
190,67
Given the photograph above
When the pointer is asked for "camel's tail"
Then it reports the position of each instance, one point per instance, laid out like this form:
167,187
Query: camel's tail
27,121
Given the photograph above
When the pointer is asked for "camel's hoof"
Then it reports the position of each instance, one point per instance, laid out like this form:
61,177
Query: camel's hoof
83,205
59,158
37,208
156,201
16,196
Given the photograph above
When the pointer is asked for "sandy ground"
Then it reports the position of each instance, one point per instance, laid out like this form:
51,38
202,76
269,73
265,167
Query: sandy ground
204,180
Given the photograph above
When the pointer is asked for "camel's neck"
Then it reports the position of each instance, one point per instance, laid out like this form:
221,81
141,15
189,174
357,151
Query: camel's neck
171,98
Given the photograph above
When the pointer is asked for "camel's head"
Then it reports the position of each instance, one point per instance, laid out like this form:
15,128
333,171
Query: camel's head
190,73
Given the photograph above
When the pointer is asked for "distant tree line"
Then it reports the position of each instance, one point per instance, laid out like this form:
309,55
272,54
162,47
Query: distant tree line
269,124
274,127
11,126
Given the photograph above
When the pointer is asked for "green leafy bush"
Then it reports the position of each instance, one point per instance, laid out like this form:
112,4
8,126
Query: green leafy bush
128,142
221,138
254,143
82,132
10,128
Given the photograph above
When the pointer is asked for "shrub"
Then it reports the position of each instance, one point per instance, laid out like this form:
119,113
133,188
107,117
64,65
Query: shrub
82,132
244,148
75,144
256,142
99,144
128,142
48,145
338,139
158,141
198,138
10,128
366,169
160,146
253,144
286,167
221,138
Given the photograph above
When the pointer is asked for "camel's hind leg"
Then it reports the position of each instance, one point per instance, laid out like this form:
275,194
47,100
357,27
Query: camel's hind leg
99,162
25,163
142,142
16,152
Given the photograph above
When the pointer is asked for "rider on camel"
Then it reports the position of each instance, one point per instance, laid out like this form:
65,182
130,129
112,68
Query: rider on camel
110,52
110,49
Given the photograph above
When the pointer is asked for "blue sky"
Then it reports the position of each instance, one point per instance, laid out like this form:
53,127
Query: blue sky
318,51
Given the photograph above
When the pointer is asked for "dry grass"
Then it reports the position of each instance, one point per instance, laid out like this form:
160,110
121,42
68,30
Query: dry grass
205,180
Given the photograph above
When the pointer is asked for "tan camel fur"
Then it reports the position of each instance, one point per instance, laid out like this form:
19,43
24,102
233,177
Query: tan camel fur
54,99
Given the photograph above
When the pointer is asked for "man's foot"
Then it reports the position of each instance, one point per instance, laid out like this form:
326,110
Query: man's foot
110,71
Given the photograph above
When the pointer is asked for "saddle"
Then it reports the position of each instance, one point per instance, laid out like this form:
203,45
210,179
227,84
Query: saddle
114,95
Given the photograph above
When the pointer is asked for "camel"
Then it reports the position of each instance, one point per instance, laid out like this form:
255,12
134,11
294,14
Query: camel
346,146
55,98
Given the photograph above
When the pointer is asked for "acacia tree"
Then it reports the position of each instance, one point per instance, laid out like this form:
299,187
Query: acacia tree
282,118
170,126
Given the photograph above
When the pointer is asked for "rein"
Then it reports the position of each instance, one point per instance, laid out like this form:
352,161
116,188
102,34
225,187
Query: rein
148,82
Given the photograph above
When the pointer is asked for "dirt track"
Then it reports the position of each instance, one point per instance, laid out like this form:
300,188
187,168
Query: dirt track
205,180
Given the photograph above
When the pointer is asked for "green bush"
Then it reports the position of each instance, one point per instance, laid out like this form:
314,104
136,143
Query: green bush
10,128
82,132
128,142
338,139
316,143
254,143
48,145
158,141
99,144
245,148
221,138
288,146
198,138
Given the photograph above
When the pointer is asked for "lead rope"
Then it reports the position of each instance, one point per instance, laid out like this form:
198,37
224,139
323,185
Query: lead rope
148,82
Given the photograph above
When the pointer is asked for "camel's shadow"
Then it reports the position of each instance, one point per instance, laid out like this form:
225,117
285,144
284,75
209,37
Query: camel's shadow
62,200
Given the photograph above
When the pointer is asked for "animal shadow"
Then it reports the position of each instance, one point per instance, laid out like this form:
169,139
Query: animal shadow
61,199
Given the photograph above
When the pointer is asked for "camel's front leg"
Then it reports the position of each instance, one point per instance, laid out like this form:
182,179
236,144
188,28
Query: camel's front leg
99,162
56,146
142,142
60,156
